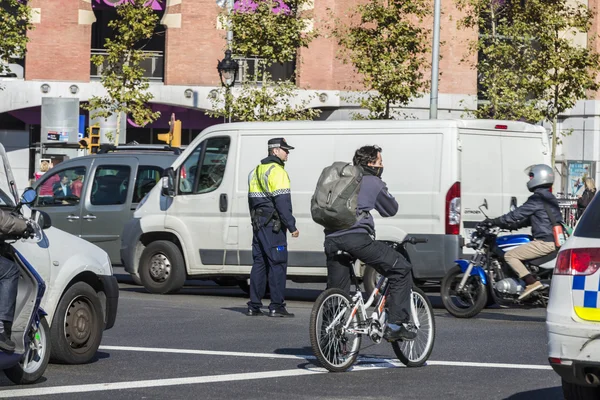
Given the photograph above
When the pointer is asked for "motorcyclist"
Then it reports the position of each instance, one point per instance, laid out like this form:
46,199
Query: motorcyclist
11,225
359,241
534,213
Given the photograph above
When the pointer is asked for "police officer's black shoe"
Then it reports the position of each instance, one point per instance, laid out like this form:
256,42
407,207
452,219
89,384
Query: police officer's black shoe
403,333
6,344
280,312
254,312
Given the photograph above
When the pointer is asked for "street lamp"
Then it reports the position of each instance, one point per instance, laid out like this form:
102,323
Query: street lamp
228,70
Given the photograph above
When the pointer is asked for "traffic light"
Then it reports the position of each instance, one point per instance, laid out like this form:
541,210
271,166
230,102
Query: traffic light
92,141
173,137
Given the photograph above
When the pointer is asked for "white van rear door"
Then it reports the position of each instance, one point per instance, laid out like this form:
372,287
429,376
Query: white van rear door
519,151
481,177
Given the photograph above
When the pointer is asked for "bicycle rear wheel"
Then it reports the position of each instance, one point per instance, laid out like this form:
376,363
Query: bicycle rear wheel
335,348
414,353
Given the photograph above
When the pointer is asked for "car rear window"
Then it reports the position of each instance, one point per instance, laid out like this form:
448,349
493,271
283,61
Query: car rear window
589,223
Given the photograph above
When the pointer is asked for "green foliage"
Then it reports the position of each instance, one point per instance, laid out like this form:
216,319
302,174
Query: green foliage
268,102
14,24
269,31
388,45
531,67
274,36
122,71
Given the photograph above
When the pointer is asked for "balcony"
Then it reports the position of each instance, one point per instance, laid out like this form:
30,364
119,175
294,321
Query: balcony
153,65
248,70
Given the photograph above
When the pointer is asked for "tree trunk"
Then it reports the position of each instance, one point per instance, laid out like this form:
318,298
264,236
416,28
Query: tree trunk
118,130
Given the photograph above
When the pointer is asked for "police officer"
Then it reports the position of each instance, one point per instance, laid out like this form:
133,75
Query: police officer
270,205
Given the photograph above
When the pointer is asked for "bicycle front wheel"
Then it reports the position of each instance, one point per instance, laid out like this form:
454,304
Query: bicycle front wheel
414,353
335,348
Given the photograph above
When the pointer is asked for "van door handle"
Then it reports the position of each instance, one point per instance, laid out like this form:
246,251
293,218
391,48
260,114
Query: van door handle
223,202
72,217
89,216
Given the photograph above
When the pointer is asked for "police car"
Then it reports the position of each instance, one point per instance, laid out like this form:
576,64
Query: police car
573,314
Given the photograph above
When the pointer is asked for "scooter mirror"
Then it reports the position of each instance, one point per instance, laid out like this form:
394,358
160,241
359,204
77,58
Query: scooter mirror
28,196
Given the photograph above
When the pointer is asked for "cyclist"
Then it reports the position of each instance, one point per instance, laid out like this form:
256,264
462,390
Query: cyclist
359,241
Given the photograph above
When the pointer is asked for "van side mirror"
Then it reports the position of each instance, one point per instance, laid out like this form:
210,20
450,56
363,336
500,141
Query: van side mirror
168,182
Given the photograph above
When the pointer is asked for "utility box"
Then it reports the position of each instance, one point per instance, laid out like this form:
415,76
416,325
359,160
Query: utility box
60,121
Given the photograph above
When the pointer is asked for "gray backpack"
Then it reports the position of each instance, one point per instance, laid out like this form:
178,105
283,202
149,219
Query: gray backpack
334,202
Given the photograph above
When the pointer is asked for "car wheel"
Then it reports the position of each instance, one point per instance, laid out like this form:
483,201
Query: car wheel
572,391
162,268
77,325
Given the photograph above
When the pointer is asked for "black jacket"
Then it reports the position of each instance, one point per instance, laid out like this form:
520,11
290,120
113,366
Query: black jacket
11,225
533,213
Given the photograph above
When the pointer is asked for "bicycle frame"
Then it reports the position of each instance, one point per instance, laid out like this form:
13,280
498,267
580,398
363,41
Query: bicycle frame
378,314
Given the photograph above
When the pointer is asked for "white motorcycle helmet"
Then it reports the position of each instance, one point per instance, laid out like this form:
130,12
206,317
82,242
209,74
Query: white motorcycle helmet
540,175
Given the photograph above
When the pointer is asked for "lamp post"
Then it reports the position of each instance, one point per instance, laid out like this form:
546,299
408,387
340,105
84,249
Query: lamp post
228,70
435,62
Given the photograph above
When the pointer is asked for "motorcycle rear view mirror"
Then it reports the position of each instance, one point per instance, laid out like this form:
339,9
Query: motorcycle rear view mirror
484,205
28,196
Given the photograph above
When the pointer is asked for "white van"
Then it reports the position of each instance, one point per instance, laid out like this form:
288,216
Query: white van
197,223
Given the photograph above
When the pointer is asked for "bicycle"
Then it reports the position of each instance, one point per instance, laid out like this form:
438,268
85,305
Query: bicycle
338,321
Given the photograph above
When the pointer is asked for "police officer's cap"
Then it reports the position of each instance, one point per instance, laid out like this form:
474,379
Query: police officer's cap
279,142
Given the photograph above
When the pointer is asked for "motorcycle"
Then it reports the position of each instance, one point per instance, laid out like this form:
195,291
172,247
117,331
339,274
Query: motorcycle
29,330
486,279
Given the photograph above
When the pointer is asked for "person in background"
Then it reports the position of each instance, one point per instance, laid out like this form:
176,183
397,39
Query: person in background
586,198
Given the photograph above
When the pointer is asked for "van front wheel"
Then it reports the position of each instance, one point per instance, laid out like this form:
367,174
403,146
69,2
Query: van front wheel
162,268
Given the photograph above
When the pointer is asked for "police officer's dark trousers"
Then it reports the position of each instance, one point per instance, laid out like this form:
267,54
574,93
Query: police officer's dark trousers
270,256
387,261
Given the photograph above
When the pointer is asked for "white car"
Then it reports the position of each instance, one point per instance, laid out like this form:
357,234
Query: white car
573,315
81,292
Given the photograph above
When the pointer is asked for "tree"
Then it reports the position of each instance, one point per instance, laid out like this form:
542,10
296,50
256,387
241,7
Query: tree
504,55
272,31
566,72
540,70
14,24
388,46
122,71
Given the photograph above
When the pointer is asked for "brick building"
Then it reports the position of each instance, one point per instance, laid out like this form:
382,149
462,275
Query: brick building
182,69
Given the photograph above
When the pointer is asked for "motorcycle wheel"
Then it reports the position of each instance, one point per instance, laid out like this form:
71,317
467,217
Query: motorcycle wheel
470,301
35,359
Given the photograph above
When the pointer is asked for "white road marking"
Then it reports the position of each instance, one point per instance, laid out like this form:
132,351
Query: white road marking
365,364
309,357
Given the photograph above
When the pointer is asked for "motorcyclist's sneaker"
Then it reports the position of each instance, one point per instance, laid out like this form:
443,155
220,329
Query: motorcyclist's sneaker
402,333
6,344
530,289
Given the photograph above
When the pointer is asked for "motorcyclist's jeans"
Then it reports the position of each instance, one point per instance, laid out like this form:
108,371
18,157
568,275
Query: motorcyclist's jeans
387,261
528,251
9,283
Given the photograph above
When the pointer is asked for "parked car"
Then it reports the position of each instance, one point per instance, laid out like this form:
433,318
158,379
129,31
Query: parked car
573,314
81,295
198,224
101,191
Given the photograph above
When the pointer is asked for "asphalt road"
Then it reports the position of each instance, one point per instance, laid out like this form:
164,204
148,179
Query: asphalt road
198,344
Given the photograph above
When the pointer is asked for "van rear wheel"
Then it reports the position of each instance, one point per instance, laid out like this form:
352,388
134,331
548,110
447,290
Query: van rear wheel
162,268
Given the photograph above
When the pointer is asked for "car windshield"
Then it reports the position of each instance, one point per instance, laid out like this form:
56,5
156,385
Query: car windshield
589,224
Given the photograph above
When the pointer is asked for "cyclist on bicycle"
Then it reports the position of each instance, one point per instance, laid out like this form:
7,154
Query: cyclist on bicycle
359,241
